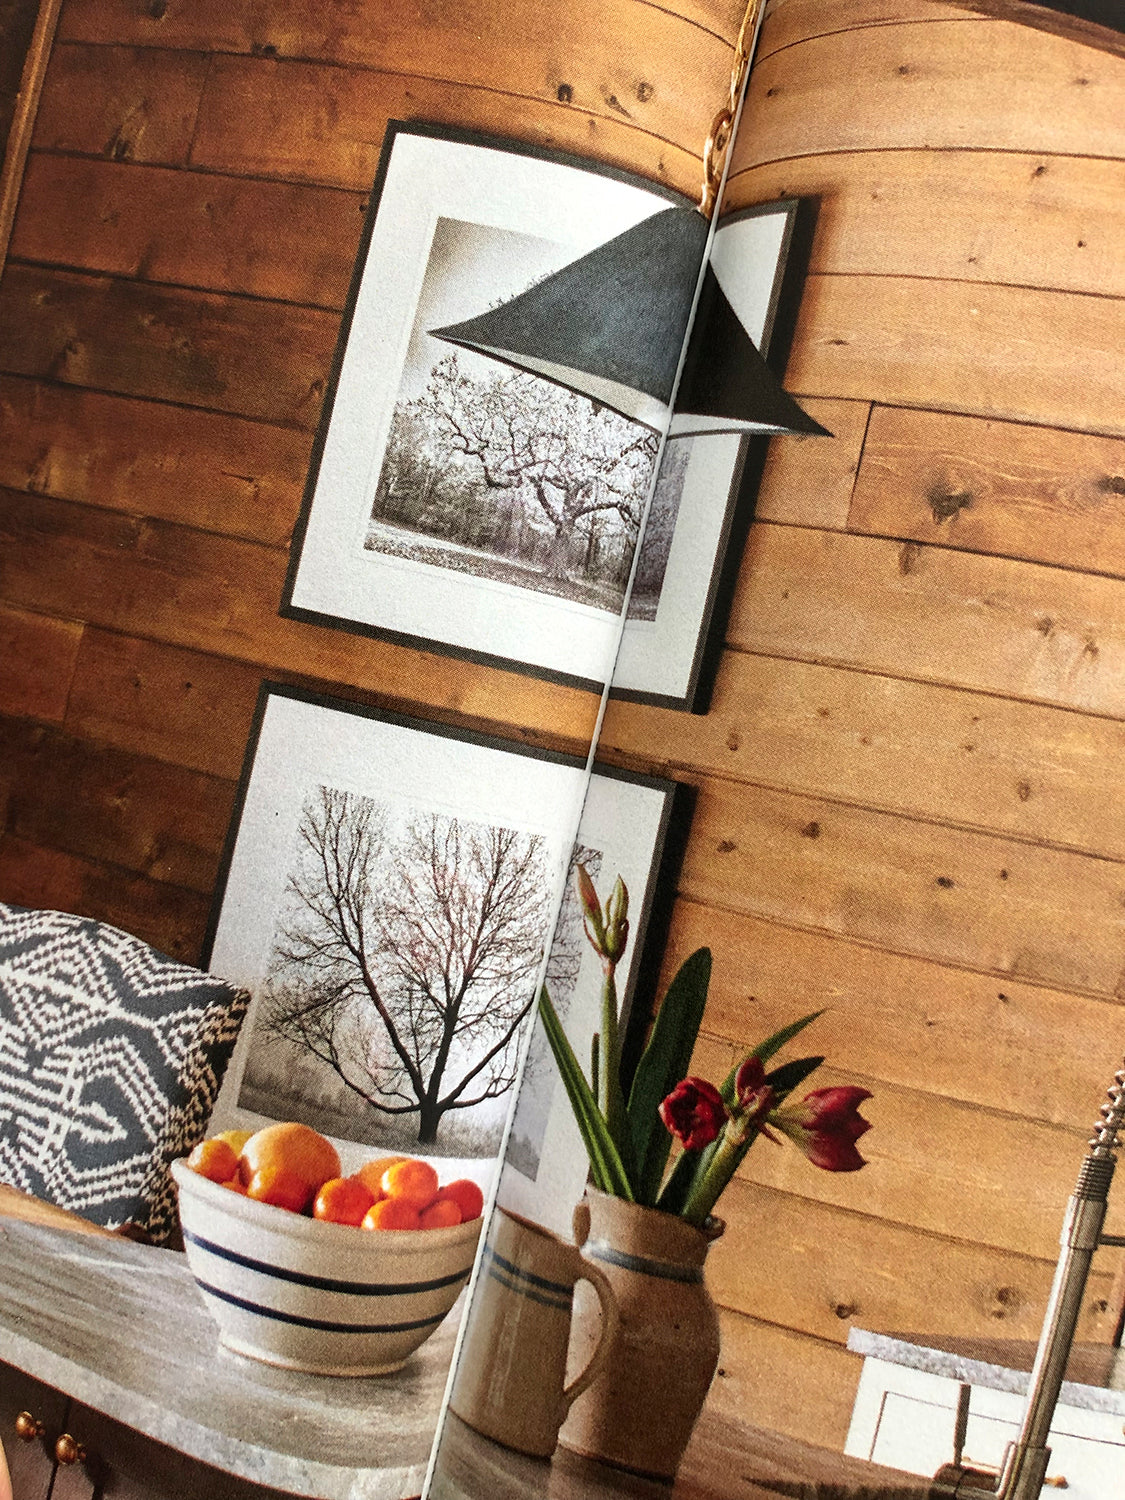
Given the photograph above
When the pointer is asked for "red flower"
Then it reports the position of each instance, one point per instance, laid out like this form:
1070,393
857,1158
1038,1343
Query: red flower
826,1125
694,1112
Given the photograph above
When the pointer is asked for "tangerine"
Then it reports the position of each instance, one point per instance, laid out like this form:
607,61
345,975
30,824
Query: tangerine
236,1185
236,1139
294,1148
280,1186
467,1196
343,1200
214,1159
371,1173
411,1181
391,1213
442,1213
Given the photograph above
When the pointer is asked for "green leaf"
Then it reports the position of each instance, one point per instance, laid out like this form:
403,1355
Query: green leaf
791,1075
664,1062
765,1050
605,1164
689,1169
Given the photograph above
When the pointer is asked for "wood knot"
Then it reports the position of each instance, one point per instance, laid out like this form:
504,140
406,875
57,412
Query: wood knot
908,556
725,846
645,92
945,504
811,830
564,93
945,882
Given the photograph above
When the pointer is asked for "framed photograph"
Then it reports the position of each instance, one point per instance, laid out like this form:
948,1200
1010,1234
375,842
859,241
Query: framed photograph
388,892
452,499
703,499
635,828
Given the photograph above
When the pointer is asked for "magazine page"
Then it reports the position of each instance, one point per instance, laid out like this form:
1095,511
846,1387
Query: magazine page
805,1239
315,552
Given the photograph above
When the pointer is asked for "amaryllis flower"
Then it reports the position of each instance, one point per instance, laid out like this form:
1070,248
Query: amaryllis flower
694,1112
826,1125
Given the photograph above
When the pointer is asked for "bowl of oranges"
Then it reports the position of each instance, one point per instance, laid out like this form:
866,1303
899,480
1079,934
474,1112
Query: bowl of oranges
304,1267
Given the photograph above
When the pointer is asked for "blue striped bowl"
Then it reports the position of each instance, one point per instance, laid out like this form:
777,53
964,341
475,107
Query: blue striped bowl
327,1298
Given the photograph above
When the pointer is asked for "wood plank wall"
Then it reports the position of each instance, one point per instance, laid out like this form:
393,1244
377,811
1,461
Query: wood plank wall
908,776
909,805
186,231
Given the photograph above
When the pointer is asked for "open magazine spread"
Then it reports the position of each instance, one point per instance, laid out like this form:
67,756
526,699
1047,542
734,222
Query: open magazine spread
556,386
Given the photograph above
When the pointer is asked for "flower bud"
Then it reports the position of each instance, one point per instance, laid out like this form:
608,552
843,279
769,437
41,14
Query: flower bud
826,1125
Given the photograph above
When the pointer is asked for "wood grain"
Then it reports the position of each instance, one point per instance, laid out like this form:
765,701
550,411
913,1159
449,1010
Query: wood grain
996,351
819,1270
1062,221
221,353
1052,497
967,899
817,1380
198,468
935,85
990,624
788,22
1009,1046
172,919
808,481
220,595
969,759
313,122
125,103
264,239
17,127
114,807
1058,22
37,657
22,1206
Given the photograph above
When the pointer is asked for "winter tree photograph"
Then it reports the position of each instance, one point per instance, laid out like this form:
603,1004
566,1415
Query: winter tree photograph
402,973
498,473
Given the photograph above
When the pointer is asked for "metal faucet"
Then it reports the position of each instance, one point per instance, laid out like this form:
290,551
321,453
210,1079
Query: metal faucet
1022,1474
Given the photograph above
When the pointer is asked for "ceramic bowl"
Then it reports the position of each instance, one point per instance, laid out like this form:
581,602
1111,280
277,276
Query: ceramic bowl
327,1298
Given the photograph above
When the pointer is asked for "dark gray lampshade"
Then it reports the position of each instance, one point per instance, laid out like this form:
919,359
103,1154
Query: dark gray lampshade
611,325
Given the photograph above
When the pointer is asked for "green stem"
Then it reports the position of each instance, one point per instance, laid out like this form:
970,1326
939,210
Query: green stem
705,1191
611,1101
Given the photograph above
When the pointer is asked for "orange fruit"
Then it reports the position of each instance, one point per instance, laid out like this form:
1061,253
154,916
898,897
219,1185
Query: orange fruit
371,1173
280,1186
236,1139
411,1181
236,1185
214,1159
467,1196
343,1200
391,1213
294,1148
442,1213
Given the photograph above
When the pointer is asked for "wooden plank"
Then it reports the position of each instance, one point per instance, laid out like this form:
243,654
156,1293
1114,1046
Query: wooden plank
175,705
125,103
170,918
1005,217
1053,497
1055,21
808,481
932,1163
783,1380
37,656
991,624
17,134
114,807
233,354
973,900
211,470
264,239
994,764
607,63
220,595
317,123
933,86
790,21
995,351
819,1270
29,1210
1036,1052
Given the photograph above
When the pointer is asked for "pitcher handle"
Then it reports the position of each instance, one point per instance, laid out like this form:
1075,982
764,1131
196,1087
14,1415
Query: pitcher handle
610,1320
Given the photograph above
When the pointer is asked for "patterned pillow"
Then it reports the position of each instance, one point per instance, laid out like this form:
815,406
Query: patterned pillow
111,1056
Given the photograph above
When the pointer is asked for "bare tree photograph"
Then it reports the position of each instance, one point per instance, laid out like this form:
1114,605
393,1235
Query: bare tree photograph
498,473
402,972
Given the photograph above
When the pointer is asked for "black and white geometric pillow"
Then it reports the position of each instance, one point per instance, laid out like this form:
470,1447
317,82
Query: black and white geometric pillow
111,1056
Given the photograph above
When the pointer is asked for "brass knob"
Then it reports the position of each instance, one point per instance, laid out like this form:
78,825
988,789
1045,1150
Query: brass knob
69,1450
28,1428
